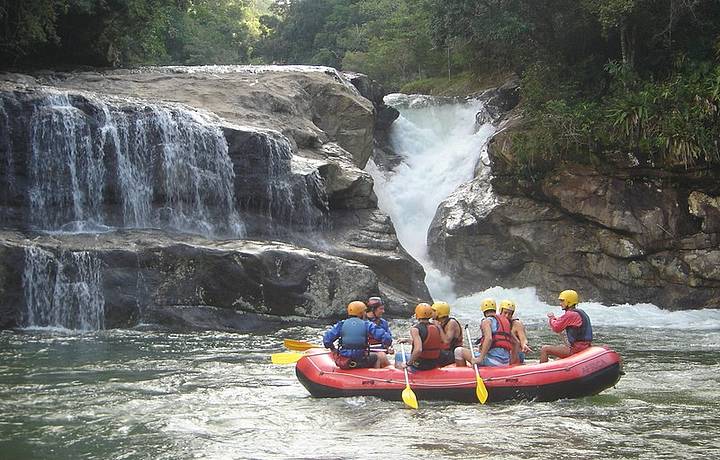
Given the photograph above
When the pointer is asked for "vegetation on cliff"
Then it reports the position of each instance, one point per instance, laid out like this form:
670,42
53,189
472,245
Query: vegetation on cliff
599,77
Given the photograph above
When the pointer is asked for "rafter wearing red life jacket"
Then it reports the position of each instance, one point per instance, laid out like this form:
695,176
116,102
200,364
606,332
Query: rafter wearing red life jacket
501,337
432,344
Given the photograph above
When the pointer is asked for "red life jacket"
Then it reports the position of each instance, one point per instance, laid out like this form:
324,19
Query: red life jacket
501,338
456,341
431,340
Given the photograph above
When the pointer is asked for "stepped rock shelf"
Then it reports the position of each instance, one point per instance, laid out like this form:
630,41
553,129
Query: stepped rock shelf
146,177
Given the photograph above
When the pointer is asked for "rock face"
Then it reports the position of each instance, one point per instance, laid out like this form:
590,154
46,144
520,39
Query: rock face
626,236
141,271
239,157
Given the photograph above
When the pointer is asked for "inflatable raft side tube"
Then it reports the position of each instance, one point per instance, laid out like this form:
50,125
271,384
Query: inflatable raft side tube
587,385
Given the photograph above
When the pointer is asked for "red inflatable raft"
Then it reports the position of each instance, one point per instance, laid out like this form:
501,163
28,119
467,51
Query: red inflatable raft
586,373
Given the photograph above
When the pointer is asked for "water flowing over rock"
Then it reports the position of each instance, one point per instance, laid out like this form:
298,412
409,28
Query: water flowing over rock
225,153
93,163
630,236
64,290
273,193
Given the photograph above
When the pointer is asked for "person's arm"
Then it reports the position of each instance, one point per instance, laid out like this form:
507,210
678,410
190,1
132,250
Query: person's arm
332,335
518,331
443,336
487,339
456,330
416,345
570,318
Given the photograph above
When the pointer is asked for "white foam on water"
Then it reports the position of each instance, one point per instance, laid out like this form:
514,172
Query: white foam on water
440,148
532,310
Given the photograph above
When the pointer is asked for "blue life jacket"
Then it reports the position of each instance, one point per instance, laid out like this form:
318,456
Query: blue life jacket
582,333
353,334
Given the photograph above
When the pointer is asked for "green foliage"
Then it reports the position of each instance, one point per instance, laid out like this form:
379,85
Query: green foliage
387,39
128,32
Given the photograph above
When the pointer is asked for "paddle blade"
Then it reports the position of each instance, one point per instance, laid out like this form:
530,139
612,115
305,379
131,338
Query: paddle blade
286,358
409,398
299,345
480,390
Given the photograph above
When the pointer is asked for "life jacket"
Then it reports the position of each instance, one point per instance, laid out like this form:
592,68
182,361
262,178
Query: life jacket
501,337
582,333
353,334
456,341
431,341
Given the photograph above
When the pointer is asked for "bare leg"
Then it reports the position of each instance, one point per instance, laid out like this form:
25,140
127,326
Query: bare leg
382,360
514,355
559,351
463,355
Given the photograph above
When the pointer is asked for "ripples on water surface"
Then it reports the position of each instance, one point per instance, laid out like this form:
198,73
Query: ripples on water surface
144,394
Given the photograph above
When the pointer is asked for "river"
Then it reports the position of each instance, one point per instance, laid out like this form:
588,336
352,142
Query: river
141,394
145,393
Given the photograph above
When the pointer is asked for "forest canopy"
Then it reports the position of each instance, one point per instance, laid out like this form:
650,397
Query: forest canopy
597,76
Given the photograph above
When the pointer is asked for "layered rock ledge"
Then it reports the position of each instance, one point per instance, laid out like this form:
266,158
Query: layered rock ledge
296,138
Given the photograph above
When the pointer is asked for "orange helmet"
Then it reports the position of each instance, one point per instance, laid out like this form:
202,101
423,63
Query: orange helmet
423,311
356,308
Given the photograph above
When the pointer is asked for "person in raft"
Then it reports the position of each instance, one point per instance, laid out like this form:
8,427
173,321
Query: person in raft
375,312
576,325
517,330
427,339
453,332
495,341
352,334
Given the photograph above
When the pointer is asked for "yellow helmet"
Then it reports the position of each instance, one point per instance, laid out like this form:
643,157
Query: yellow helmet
488,304
507,305
442,309
356,308
570,297
423,311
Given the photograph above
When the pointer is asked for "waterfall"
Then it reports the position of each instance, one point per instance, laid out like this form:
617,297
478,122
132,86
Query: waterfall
162,166
284,192
63,291
440,148
7,167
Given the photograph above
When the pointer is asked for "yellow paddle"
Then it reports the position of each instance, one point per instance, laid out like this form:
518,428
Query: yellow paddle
299,345
407,395
291,357
480,390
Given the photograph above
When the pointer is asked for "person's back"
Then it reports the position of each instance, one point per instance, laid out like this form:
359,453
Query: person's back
501,342
452,329
427,341
352,335
517,331
495,341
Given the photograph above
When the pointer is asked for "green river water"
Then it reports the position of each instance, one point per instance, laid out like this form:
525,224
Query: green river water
143,394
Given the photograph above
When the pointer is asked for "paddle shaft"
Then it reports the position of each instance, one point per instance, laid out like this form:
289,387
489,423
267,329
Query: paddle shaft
300,345
472,352
402,350
480,389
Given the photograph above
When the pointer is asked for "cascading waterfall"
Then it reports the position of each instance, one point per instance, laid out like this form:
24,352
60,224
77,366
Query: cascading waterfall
66,171
440,147
7,167
163,166
63,291
287,198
